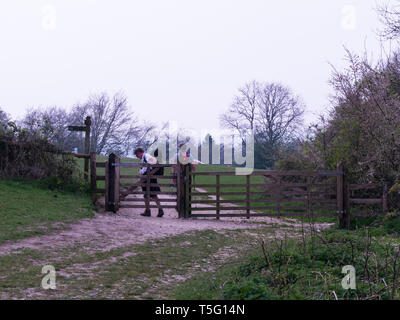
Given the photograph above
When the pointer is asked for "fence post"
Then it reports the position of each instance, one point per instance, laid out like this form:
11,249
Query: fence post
93,176
218,194
88,123
188,181
248,196
279,195
190,189
339,194
107,184
180,199
117,184
309,211
113,183
346,200
178,189
147,196
343,197
384,198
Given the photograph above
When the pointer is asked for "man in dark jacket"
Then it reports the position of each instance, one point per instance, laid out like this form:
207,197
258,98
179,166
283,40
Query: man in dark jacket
148,159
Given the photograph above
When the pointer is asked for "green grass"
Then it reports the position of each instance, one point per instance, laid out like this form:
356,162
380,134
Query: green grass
27,209
306,269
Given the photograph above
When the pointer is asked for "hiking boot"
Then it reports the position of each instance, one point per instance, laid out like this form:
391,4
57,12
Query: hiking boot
147,213
160,213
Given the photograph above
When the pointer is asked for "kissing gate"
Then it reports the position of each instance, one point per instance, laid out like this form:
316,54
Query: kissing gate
116,190
201,193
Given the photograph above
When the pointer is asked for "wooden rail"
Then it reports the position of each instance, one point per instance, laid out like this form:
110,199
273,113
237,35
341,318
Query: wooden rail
283,198
356,202
317,195
292,193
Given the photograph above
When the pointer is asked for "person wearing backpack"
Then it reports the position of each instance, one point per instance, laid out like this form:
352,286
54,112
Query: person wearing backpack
146,158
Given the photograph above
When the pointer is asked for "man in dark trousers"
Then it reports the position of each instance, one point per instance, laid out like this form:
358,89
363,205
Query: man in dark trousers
148,159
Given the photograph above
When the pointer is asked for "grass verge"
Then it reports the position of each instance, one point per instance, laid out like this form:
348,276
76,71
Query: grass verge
307,268
27,209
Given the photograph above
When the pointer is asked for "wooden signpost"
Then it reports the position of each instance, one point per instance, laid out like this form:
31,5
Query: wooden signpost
86,129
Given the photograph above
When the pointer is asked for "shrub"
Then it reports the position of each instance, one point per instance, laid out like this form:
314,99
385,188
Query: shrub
29,155
311,268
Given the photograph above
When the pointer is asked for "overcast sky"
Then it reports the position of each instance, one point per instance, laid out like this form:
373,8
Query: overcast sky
179,60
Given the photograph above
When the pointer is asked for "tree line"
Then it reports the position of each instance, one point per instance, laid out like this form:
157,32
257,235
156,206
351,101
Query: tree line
115,127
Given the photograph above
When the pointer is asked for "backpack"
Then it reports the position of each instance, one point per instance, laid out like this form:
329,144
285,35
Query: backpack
160,171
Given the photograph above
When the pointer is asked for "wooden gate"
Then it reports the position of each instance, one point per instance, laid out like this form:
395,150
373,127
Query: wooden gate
267,193
124,189
225,194
281,194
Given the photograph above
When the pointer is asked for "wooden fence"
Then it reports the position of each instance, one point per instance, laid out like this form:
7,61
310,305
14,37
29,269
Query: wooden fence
262,193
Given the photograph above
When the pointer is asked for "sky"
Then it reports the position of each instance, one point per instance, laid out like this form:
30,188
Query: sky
176,60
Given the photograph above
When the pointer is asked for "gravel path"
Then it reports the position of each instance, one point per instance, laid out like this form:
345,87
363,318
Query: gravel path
108,230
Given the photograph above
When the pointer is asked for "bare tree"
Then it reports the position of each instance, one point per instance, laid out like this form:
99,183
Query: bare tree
241,115
110,117
279,114
390,16
115,128
271,110
138,134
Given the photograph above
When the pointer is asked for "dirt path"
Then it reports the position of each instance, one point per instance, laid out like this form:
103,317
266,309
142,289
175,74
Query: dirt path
107,231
